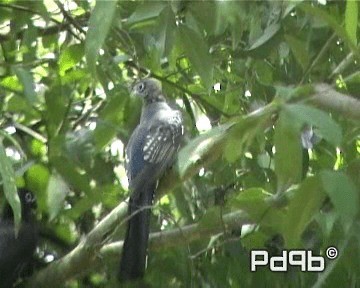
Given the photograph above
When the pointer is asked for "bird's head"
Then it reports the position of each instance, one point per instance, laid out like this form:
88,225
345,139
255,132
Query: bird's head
149,89
27,199
28,205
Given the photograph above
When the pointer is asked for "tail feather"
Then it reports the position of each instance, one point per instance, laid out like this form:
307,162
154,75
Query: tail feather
134,253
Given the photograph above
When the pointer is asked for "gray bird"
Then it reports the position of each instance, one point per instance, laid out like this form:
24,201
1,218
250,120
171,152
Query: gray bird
150,152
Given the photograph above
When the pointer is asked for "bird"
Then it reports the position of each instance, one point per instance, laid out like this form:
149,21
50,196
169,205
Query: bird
16,251
151,150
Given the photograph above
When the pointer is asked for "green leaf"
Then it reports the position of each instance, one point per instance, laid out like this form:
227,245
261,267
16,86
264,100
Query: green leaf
56,100
254,240
288,156
332,22
342,193
253,201
257,203
27,82
351,19
269,32
198,52
234,148
237,138
146,11
56,191
264,73
111,119
71,173
8,180
304,206
202,148
12,83
70,57
328,128
166,34
297,47
79,147
99,26
211,218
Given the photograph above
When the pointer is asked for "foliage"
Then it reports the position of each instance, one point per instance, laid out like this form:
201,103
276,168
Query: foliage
244,69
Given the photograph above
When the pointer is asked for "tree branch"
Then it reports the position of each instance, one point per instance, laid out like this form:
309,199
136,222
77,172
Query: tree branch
85,256
183,235
55,29
328,98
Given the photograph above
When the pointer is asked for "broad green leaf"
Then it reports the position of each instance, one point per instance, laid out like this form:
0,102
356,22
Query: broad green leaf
8,181
257,203
27,82
228,13
146,11
201,16
70,57
351,19
238,138
342,193
254,240
198,52
12,83
253,201
288,155
290,93
75,76
18,104
30,34
99,26
111,118
326,222
56,191
304,206
167,28
211,218
269,32
244,131
300,53
328,128
71,173
79,147
264,72
332,22
202,148
56,100
234,147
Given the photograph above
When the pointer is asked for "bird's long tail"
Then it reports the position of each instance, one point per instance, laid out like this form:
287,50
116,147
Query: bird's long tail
133,260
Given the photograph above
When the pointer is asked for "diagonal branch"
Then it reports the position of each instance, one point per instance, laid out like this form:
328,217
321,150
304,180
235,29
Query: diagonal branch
327,98
183,235
84,257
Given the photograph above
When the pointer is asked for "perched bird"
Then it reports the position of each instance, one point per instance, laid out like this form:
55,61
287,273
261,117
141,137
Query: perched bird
151,150
16,251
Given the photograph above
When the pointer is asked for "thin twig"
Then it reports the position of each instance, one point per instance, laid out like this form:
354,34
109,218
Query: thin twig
319,56
30,132
69,18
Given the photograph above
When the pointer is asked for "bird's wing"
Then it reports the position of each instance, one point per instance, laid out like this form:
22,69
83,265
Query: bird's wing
163,140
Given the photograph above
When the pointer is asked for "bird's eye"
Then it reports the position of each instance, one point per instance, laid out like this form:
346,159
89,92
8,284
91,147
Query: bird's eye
141,87
28,198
